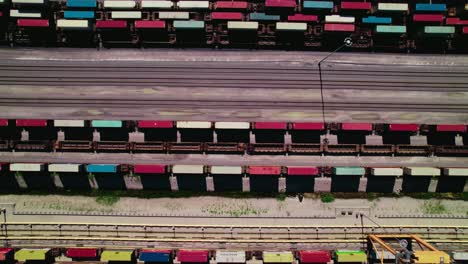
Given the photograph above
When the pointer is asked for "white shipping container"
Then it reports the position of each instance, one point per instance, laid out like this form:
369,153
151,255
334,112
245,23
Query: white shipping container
27,1
392,7
338,19
119,4
126,14
156,4
64,167
174,15
17,13
194,4
460,256
226,170
232,125
241,25
69,123
291,26
193,124
26,167
387,171
65,23
422,171
456,171
187,169
223,256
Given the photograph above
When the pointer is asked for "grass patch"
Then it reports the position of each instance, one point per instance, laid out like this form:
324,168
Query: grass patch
433,207
327,198
107,199
281,197
234,209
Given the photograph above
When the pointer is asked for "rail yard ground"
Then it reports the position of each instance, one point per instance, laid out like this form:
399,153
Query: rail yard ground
222,210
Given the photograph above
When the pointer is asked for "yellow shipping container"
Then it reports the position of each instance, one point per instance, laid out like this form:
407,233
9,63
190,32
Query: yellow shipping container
278,257
117,255
355,256
431,257
31,254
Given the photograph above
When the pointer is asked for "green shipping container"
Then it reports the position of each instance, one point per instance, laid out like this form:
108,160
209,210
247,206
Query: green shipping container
439,30
391,29
106,123
189,24
349,171
350,256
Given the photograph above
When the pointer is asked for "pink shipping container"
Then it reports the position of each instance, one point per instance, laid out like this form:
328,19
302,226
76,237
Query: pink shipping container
303,18
265,170
280,3
111,24
356,5
270,125
314,256
357,126
428,18
3,122
465,30
451,128
303,171
33,22
231,5
149,168
150,24
308,126
404,127
6,253
31,123
455,21
226,16
192,256
82,252
155,124
339,27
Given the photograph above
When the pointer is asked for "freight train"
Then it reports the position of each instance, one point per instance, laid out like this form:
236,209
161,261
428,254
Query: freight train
253,138
434,26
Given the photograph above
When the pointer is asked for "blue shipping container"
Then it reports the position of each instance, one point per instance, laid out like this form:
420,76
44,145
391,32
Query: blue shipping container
78,14
81,3
263,16
377,20
102,168
318,4
431,7
154,256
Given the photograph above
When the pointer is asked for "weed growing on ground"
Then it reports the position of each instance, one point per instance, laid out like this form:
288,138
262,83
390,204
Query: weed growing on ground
234,209
327,198
434,207
281,197
107,199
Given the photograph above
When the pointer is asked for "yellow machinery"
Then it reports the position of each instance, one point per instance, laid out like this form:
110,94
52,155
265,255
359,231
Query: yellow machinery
404,249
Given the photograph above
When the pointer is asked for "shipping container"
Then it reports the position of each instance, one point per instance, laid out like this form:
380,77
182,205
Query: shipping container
287,26
274,125
117,255
242,25
174,15
155,255
119,4
424,257
456,172
20,13
277,257
7,255
225,256
356,126
422,171
193,124
234,125
392,7
318,4
106,123
126,14
192,256
159,24
31,167
31,122
390,29
183,4
356,5
33,22
340,27
306,256
339,19
83,253
226,16
303,170
428,18
26,254
3,122
308,126
280,3
349,171
465,30
303,18
102,168
263,17
460,256
387,172
27,1
188,169
74,24
403,127
350,256
431,7
149,168
455,21
109,24
154,123
231,5
64,167
162,4
439,29
264,170
226,170
81,3
376,20
69,123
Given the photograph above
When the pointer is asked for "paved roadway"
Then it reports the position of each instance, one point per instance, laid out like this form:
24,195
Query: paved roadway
198,78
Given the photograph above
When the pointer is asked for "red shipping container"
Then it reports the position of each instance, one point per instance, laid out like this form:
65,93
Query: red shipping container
33,22
265,170
149,168
155,124
231,5
4,253
455,21
451,128
428,18
303,18
314,256
3,122
150,24
303,171
404,127
111,24
31,123
356,5
280,3
270,125
339,27
465,30
1,14
308,126
192,256
226,16
357,126
81,253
